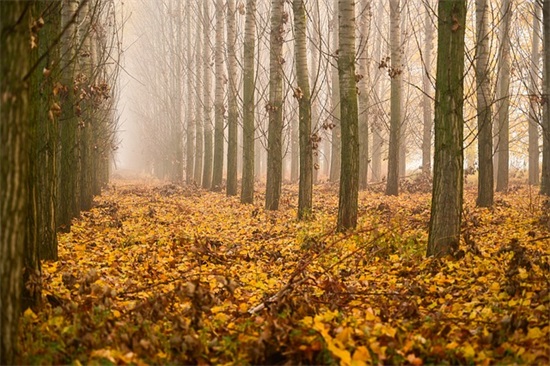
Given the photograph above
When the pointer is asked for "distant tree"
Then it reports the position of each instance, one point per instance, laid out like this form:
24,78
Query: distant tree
14,195
545,178
219,109
232,117
207,98
446,210
377,123
363,86
247,191
275,106
427,89
302,93
395,72
484,115
349,172
534,78
190,82
335,148
199,108
503,99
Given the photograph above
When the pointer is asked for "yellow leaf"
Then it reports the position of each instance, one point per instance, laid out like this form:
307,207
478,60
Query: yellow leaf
452,345
534,333
468,351
370,315
344,335
116,313
413,360
361,354
495,287
29,314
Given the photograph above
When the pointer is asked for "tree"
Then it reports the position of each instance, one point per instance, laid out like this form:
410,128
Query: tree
275,106
545,178
446,210
199,77
335,152
232,117
302,93
427,89
503,99
247,190
349,172
14,195
395,72
190,133
219,109
207,103
363,84
484,116
534,67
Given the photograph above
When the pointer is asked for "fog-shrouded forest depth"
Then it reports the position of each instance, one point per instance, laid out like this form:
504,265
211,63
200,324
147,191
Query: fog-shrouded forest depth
275,182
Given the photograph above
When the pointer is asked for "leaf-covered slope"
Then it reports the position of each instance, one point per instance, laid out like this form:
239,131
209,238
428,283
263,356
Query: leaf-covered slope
163,274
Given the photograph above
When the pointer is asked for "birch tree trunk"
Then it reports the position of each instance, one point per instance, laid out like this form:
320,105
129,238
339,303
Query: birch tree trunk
199,79
446,210
377,138
275,106
219,138
232,118
302,93
247,190
335,152
349,173
395,72
363,85
484,114
190,119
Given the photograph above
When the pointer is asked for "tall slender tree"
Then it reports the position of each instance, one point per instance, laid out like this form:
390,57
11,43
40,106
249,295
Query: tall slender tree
427,114
363,85
219,109
534,69
232,117
207,102
545,177
484,114
199,100
446,211
247,190
335,152
395,72
349,172
275,106
190,118
303,94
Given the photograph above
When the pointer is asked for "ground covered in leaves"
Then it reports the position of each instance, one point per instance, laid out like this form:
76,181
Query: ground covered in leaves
161,274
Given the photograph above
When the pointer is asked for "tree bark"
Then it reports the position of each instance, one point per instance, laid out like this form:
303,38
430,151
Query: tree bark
349,173
303,94
275,107
533,131
545,177
363,98
232,118
199,77
503,98
427,89
190,119
14,17
396,118
335,146
484,115
219,138
207,102
247,190
446,211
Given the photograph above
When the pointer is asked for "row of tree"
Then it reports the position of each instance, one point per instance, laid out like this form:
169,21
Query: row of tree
59,61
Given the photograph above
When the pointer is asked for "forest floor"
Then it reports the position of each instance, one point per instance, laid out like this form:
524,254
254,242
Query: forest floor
161,274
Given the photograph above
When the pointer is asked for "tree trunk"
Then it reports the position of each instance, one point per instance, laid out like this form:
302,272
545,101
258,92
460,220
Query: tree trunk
217,178
349,173
534,171
503,98
233,93
335,148
190,119
484,116
377,123
247,190
294,149
427,89
69,174
302,93
275,106
315,81
207,86
363,85
199,77
395,72
545,178
14,104
446,211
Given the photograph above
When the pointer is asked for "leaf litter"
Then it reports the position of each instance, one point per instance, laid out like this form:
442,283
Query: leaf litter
162,274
